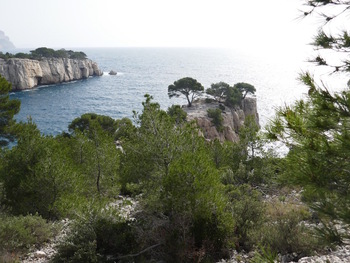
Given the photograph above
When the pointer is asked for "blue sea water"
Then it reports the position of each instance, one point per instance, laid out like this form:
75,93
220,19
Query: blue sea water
151,70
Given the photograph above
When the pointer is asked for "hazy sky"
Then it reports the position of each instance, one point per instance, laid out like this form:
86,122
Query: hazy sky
191,23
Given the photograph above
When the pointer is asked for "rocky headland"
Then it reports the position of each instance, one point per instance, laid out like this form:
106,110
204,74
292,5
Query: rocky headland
29,73
233,118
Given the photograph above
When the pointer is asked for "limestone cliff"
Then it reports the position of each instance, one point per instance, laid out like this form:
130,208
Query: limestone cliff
233,119
28,73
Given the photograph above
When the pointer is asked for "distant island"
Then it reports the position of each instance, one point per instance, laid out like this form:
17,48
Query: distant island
5,42
44,66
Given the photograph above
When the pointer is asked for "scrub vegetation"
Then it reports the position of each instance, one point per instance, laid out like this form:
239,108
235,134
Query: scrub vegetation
151,189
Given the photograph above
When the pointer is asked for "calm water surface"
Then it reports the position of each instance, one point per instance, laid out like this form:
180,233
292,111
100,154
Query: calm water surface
151,70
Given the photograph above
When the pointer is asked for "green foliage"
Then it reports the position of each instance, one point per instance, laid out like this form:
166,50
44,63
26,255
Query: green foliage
231,96
330,37
316,129
97,237
18,234
176,112
124,129
330,233
218,90
172,167
245,88
317,133
33,173
86,122
75,54
285,232
56,177
43,52
217,119
192,189
264,255
188,87
234,97
247,161
8,108
247,211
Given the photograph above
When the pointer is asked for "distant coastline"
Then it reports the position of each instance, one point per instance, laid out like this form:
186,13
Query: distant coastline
45,66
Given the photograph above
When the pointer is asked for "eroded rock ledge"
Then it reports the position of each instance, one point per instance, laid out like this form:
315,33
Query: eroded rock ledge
28,73
233,119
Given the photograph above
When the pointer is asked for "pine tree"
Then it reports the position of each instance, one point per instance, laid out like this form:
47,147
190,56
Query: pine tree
8,108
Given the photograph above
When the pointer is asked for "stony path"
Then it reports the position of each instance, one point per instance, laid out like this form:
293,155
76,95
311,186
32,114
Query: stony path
48,251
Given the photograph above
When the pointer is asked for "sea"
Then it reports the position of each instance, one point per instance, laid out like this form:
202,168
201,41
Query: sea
143,71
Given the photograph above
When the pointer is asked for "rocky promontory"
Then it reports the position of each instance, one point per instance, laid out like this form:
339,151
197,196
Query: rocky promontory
28,73
233,118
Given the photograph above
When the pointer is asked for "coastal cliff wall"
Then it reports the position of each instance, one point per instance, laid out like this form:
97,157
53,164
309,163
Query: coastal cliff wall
233,119
28,73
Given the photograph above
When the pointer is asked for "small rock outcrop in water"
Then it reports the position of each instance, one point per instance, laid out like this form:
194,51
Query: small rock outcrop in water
5,43
233,119
112,72
29,73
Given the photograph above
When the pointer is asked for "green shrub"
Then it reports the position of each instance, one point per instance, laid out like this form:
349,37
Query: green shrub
217,119
248,211
209,100
221,107
264,255
176,112
285,232
99,237
18,234
234,97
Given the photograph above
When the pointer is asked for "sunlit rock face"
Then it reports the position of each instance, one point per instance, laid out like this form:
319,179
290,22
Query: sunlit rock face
28,73
233,119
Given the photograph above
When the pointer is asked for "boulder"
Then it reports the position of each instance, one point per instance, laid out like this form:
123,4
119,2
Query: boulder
40,254
112,72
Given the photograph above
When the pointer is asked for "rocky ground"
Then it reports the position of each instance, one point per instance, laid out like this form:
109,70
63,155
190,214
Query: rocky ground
339,255
45,253
127,206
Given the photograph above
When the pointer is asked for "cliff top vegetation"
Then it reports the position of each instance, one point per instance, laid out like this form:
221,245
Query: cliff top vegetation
44,52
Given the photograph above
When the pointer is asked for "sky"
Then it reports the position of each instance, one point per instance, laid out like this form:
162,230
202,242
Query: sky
241,24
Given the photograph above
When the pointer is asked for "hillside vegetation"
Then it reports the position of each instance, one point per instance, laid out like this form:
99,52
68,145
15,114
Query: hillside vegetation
151,189
44,52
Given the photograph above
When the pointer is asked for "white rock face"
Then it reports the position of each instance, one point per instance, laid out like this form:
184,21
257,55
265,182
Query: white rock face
27,73
232,119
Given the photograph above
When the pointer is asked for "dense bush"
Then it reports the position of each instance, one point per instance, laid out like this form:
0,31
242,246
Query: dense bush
56,176
97,237
217,119
18,234
176,112
285,231
248,213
